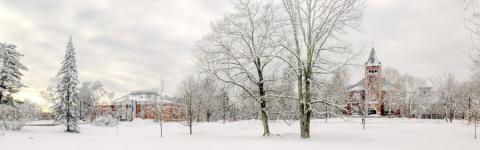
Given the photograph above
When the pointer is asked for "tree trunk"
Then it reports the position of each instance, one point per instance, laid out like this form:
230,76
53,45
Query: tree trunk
190,126
263,102
208,115
224,112
1,92
263,110
224,117
300,101
190,115
364,111
266,130
1,97
469,113
305,131
363,122
389,111
327,113
80,111
68,111
307,101
161,129
2,85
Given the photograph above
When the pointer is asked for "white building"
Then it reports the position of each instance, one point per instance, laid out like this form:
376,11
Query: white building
143,104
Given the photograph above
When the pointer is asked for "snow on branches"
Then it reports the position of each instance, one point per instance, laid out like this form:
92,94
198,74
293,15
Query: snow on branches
66,109
10,72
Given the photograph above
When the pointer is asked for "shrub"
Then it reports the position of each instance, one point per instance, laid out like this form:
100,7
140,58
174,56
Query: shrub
105,121
14,117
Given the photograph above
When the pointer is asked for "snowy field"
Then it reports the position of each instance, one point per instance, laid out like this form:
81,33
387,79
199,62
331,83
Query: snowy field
381,134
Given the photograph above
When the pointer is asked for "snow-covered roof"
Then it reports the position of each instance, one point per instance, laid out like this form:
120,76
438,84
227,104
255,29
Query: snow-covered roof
141,96
372,59
359,85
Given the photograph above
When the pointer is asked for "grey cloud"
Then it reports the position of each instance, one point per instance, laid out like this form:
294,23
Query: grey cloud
128,45
424,38
132,45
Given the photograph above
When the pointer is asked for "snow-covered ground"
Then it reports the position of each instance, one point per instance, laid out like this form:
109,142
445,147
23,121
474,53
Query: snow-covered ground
381,134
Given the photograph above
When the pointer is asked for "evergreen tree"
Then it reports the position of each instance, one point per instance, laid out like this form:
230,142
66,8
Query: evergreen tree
10,72
66,109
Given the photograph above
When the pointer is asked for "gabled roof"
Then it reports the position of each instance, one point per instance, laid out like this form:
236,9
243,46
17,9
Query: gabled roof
372,59
141,96
359,85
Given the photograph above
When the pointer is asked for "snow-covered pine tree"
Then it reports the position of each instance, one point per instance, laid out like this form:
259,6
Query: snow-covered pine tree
10,71
66,109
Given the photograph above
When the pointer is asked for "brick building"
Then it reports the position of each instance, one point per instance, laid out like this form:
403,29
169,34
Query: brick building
142,104
370,90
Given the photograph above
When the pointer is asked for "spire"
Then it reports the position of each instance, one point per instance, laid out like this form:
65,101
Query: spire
372,59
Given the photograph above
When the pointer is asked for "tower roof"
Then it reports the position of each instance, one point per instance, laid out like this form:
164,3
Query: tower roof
372,59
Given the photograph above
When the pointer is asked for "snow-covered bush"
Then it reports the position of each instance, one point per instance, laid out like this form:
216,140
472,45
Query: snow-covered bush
14,117
141,122
105,121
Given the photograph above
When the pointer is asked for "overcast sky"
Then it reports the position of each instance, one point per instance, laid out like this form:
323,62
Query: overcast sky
424,38
133,45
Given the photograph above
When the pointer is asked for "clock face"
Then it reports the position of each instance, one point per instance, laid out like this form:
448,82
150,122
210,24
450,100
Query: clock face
372,79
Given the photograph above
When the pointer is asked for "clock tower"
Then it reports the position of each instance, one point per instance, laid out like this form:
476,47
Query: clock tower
372,85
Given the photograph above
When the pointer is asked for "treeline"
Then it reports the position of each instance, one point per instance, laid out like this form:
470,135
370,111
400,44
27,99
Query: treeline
287,60
277,58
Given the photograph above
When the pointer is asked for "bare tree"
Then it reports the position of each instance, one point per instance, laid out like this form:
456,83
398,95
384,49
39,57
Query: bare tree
158,106
208,96
225,103
240,51
473,93
187,90
464,101
335,93
446,86
90,94
313,44
50,94
472,21
412,84
396,91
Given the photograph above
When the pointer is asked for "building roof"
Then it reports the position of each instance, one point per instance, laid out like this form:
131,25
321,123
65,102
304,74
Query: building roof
141,96
359,85
372,59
